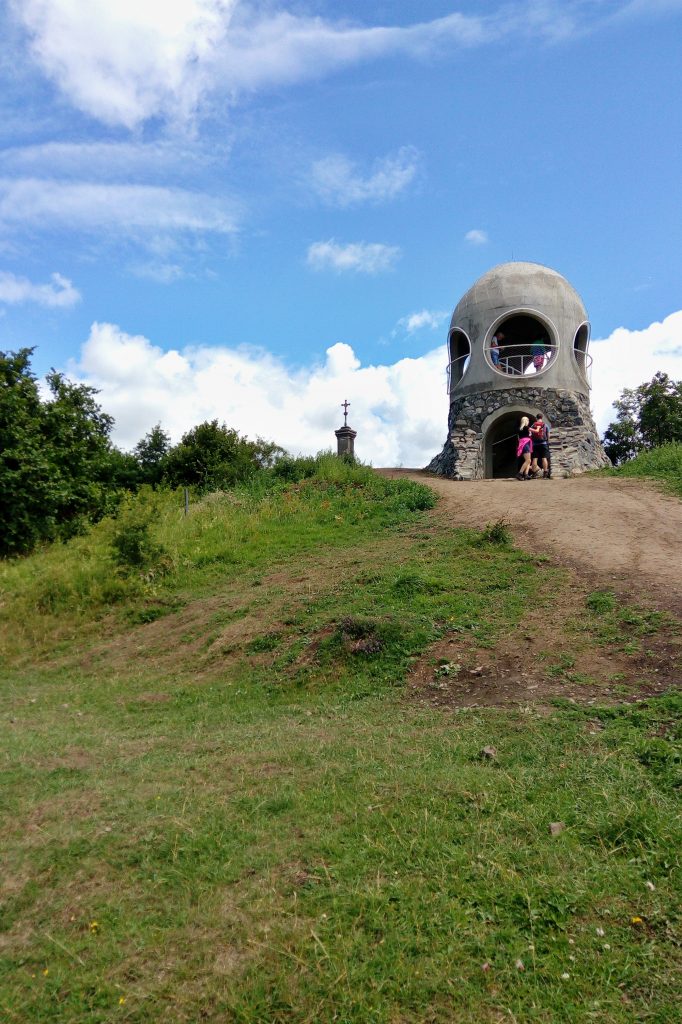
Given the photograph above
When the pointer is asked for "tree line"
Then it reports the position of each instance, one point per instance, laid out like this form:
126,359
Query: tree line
59,469
646,417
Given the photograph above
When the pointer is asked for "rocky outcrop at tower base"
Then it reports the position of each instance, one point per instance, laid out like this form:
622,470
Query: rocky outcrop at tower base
574,442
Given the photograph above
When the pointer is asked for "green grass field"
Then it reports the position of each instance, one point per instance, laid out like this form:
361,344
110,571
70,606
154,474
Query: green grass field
222,801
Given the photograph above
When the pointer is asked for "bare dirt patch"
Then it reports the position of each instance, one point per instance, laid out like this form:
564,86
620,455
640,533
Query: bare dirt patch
619,533
453,674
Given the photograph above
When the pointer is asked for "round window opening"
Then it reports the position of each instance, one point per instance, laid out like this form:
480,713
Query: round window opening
580,345
520,346
459,349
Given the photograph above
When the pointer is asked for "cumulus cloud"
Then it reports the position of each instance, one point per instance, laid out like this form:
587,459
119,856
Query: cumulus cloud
399,410
476,236
129,61
59,293
337,180
627,359
113,208
427,318
357,257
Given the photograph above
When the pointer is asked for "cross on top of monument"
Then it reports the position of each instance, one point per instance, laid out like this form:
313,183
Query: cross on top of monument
345,405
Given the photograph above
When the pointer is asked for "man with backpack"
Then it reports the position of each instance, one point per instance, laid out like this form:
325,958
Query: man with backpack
541,464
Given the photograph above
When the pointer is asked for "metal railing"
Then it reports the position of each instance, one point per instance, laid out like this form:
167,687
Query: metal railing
584,361
456,369
520,360
517,361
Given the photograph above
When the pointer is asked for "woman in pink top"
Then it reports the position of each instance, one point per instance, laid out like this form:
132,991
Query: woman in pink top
524,449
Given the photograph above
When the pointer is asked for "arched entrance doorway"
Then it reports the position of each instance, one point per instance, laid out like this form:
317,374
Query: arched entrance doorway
500,438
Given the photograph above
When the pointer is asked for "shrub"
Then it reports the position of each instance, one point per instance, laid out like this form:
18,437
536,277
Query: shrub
496,533
133,544
601,601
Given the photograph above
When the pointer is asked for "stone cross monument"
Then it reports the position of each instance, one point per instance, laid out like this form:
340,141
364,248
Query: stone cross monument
518,346
345,435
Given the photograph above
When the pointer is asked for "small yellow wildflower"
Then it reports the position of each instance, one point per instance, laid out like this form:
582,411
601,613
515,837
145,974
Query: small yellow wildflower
46,972
94,926
121,1000
636,920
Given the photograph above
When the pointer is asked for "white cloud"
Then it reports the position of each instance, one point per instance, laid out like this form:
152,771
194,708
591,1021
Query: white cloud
129,61
337,180
126,61
358,257
427,318
112,161
160,273
399,410
627,359
60,293
115,208
476,237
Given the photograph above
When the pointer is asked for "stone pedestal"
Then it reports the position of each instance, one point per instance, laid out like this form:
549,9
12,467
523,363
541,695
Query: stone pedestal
345,441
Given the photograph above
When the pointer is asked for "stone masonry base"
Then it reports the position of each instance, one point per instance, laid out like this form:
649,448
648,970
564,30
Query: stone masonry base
574,441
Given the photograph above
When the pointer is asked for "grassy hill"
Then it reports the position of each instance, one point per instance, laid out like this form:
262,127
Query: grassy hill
662,464
225,797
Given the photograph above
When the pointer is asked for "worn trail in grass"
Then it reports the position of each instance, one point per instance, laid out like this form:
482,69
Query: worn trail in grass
262,824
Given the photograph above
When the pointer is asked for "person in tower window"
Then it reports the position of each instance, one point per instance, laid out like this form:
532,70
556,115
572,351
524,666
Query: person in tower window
538,350
495,349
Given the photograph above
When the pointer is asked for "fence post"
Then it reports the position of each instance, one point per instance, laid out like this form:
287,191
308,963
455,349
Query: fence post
186,490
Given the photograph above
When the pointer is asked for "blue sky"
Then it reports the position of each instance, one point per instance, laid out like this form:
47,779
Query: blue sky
252,210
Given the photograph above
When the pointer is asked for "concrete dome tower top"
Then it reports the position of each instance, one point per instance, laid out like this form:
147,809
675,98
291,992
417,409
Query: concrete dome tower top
518,347
520,323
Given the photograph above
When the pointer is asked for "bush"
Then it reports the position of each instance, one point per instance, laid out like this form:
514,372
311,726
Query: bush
496,533
132,541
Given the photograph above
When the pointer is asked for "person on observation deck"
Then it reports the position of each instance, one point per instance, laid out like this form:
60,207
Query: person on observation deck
538,351
495,349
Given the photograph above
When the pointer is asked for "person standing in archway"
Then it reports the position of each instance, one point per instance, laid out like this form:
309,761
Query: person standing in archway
524,449
539,433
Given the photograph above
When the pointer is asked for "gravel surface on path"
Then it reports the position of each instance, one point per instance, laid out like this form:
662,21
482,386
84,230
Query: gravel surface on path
623,534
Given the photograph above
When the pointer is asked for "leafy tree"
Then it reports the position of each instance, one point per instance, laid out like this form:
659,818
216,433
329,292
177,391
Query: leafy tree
622,441
150,454
76,433
647,417
212,456
58,468
26,482
660,410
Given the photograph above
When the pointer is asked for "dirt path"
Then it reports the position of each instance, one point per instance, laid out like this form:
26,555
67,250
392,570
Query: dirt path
622,534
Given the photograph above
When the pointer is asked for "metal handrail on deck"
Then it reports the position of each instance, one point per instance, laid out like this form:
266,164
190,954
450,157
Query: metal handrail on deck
523,363
520,360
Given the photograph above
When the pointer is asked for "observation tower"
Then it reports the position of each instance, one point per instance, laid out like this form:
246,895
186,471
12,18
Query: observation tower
517,346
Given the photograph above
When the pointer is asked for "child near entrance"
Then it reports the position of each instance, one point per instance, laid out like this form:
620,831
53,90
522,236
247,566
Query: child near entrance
524,449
